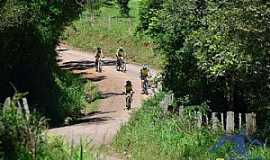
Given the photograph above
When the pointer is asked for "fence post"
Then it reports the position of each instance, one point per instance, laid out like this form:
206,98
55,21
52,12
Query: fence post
26,108
214,120
181,110
222,121
7,102
230,122
240,120
207,120
199,120
250,123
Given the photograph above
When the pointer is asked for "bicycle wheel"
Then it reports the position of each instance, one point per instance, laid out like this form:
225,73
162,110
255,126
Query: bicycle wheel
128,102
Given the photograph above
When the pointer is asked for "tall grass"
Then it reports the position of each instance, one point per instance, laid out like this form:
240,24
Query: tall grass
23,137
151,135
110,31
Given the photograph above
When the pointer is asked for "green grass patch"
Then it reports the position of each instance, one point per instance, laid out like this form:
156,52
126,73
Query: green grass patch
110,31
151,135
57,148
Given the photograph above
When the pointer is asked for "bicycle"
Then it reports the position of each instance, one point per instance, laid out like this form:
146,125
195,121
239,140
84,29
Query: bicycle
121,65
145,86
129,99
98,65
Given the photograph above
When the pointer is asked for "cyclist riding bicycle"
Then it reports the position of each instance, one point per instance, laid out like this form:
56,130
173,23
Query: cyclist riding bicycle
144,76
120,56
99,55
129,94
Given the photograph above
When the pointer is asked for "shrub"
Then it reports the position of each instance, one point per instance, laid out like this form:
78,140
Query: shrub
152,135
23,136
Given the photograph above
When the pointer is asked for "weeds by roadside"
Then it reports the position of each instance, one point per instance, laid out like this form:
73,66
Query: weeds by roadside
152,135
77,95
23,136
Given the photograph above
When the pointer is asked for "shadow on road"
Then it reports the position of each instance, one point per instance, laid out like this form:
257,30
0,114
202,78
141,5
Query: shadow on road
110,94
90,120
83,65
96,78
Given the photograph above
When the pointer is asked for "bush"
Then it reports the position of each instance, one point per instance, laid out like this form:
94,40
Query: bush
152,135
29,32
23,136
74,95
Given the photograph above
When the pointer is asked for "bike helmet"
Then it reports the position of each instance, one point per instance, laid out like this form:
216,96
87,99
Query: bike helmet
145,66
98,49
120,49
128,83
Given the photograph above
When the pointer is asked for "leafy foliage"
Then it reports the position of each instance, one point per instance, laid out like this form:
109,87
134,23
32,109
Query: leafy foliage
23,136
29,32
20,134
151,135
148,13
216,51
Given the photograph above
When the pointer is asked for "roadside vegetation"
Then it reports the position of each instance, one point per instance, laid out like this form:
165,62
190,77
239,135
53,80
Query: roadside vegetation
29,33
153,135
105,27
215,52
77,96
23,136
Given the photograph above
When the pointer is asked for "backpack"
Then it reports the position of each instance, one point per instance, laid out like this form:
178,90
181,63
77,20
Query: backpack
98,54
128,87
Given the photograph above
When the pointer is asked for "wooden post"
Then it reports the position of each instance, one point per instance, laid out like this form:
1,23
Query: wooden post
172,98
214,121
222,121
26,108
230,122
159,86
240,121
250,123
7,102
19,110
199,120
181,110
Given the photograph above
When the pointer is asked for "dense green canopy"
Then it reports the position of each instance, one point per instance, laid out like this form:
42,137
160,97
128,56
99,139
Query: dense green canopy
29,33
217,51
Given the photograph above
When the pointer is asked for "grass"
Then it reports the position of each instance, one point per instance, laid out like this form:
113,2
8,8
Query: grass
57,148
151,135
111,33
23,136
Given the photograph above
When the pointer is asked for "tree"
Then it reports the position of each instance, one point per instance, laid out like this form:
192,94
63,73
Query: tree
124,9
29,32
216,51
148,13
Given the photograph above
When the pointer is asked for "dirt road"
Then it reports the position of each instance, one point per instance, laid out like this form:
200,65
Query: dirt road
102,126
